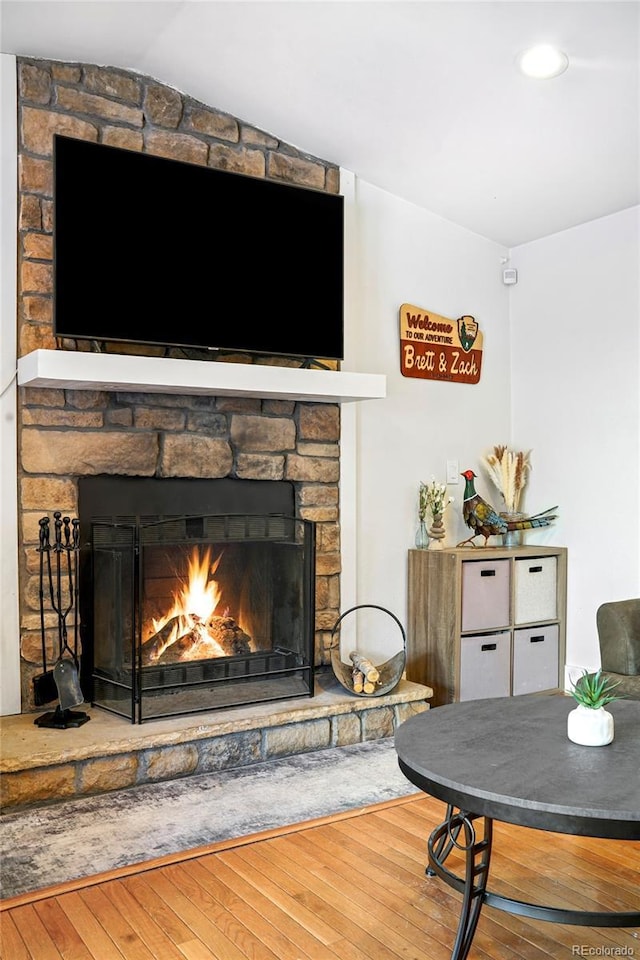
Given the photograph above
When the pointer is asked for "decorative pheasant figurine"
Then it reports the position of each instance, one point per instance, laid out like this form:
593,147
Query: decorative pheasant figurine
481,517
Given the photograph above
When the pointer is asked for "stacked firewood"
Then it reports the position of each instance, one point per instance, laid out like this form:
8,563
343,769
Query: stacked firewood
365,675
217,637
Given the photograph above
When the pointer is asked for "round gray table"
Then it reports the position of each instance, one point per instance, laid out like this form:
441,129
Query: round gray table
509,759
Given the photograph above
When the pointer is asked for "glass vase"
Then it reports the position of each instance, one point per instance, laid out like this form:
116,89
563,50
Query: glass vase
422,536
512,538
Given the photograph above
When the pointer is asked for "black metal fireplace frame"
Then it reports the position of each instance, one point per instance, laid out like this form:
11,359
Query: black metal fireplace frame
285,672
278,674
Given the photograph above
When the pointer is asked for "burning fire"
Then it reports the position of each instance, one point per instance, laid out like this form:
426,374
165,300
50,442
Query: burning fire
192,629
198,597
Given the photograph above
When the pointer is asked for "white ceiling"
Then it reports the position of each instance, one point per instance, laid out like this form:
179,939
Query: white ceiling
421,98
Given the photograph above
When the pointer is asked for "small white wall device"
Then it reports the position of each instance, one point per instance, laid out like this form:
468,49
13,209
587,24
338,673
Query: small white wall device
509,275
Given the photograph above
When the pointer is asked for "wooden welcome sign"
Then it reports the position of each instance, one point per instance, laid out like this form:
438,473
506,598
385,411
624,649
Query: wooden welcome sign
437,348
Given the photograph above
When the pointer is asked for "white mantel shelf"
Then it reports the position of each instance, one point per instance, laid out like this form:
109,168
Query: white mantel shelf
70,370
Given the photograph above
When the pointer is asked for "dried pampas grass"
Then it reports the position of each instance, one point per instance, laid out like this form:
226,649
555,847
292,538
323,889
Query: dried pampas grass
508,471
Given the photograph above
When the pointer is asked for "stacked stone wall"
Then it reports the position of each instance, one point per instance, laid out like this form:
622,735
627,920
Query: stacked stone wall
65,434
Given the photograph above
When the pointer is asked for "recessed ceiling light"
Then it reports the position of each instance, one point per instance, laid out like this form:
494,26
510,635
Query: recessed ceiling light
543,62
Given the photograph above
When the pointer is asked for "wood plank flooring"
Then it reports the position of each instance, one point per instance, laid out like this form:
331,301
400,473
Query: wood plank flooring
350,887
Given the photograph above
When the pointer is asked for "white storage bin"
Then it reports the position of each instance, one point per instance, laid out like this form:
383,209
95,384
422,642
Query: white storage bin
535,589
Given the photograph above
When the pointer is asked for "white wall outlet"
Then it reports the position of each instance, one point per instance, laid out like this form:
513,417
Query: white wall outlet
453,471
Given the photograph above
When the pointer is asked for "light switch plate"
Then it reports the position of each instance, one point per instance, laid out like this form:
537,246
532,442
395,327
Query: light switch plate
453,471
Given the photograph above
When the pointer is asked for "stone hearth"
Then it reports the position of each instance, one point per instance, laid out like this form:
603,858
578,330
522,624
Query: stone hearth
41,765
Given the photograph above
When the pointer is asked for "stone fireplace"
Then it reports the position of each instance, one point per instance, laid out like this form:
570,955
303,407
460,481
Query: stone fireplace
64,434
302,451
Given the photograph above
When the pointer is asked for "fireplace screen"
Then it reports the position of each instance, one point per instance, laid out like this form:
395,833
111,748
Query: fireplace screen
201,612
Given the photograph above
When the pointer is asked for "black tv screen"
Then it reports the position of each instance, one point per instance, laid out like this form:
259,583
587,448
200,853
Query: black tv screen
155,251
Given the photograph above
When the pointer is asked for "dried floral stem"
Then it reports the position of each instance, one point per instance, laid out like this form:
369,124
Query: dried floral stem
508,470
433,499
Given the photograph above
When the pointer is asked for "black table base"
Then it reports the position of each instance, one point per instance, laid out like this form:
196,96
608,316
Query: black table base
458,831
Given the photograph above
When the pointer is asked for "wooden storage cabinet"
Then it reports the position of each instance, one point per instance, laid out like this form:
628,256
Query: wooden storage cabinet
486,621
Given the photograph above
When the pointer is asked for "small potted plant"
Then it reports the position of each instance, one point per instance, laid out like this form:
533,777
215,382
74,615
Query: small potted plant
589,723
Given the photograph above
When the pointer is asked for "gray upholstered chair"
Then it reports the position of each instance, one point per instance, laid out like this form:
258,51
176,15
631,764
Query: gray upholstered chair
618,625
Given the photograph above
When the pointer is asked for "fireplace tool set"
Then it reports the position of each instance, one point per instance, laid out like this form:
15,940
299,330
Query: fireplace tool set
59,579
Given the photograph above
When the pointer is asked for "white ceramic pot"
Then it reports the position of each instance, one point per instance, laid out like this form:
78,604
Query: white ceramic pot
589,727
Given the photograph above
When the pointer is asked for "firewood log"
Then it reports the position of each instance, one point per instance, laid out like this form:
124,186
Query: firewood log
181,649
358,680
153,647
370,672
233,640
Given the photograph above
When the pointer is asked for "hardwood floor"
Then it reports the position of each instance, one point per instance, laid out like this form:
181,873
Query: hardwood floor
351,887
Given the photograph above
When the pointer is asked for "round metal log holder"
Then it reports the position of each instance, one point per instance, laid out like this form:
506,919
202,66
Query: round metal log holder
390,672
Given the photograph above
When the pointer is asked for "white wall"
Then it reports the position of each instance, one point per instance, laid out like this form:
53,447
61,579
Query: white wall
9,650
575,363
401,253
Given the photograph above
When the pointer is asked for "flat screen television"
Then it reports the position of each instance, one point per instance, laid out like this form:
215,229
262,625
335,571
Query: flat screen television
155,251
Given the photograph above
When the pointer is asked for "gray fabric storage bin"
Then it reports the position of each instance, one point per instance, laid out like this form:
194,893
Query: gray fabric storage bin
485,666
535,659
485,594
